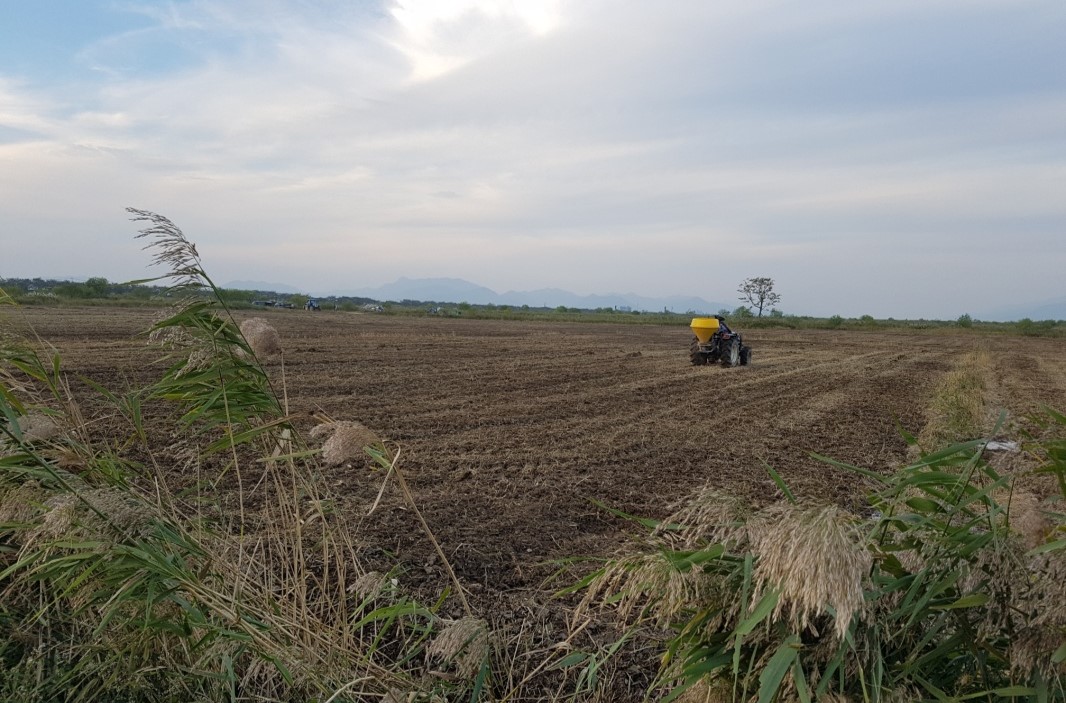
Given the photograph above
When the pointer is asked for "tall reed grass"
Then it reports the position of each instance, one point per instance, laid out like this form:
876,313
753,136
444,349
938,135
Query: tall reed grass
950,587
119,584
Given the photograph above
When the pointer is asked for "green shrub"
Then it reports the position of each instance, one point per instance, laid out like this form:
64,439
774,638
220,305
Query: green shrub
1040,328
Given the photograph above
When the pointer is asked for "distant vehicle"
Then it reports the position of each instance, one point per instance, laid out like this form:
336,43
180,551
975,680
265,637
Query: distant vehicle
312,304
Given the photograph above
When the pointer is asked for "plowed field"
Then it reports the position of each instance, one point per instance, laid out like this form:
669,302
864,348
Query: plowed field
509,430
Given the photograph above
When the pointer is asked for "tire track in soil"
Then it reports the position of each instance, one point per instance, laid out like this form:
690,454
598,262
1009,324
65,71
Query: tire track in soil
748,391
1030,375
750,408
598,469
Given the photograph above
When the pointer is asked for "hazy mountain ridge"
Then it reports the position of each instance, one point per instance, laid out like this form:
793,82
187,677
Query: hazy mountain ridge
457,290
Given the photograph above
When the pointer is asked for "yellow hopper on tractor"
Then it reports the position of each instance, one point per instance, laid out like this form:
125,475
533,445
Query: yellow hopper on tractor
714,341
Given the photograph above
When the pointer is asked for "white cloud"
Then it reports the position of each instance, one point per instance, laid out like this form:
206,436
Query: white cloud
592,146
441,35
20,111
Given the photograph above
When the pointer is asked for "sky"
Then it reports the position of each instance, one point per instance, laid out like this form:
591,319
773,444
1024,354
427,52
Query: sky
902,158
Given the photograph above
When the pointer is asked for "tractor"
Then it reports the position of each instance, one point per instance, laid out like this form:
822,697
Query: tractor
714,341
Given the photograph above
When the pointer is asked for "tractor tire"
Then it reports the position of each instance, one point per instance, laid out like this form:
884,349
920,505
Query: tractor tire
745,356
694,355
731,354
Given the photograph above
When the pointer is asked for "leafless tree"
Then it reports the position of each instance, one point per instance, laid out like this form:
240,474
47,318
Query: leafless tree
759,293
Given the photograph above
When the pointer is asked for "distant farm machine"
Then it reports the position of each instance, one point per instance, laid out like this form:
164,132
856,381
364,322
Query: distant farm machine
715,342
312,304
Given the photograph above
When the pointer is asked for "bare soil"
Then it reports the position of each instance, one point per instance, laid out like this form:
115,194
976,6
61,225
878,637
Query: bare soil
510,430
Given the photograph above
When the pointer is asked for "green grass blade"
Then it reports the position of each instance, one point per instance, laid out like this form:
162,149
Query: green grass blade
776,669
780,483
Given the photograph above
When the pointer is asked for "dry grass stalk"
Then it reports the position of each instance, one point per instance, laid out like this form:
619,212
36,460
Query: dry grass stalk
261,337
957,411
1045,599
709,517
1031,651
816,557
704,691
464,644
394,695
171,337
649,587
1049,595
97,514
198,355
346,440
368,586
172,250
198,360
59,518
22,504
904,694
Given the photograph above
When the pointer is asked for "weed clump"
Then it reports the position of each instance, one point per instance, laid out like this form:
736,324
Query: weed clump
464,645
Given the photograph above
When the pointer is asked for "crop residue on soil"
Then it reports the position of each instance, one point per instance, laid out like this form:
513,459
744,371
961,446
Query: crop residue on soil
509,430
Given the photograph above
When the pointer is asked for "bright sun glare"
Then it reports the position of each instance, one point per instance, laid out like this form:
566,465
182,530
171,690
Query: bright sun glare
439,35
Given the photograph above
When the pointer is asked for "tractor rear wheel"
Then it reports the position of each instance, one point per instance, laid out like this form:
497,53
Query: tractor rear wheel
694,355
731,354
745,356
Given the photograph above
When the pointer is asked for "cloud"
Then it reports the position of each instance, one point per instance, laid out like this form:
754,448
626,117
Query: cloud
439,36
669,148
19,111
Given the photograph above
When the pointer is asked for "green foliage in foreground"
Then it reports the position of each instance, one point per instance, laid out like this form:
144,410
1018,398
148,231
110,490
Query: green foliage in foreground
952,587
121,581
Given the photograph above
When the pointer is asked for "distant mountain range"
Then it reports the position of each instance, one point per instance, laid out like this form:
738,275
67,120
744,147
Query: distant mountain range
456,290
